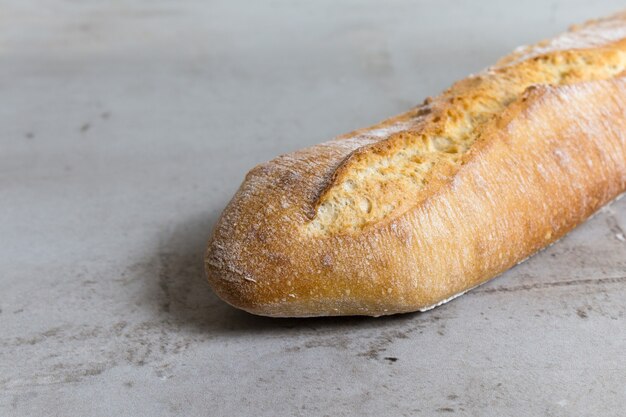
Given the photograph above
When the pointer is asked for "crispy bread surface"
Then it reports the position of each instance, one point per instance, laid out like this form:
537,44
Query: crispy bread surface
410,212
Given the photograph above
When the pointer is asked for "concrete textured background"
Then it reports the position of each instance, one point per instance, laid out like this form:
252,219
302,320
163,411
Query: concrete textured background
125,127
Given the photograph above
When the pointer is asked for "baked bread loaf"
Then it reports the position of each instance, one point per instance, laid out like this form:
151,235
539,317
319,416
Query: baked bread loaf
411,212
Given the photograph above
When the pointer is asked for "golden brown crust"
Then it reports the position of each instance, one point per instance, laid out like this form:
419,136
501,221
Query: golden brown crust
386,178
537,169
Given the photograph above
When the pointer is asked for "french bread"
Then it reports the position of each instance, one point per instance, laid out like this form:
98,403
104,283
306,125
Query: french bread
422,207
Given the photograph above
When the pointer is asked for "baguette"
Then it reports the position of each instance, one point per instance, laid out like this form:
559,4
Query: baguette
409,213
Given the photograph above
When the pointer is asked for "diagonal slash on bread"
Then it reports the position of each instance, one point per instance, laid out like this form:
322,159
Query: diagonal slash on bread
408,213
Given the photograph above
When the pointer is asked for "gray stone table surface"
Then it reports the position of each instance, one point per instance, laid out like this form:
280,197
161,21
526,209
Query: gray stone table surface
125,127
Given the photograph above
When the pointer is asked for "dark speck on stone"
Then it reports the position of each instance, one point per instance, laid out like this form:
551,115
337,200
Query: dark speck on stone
391,359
